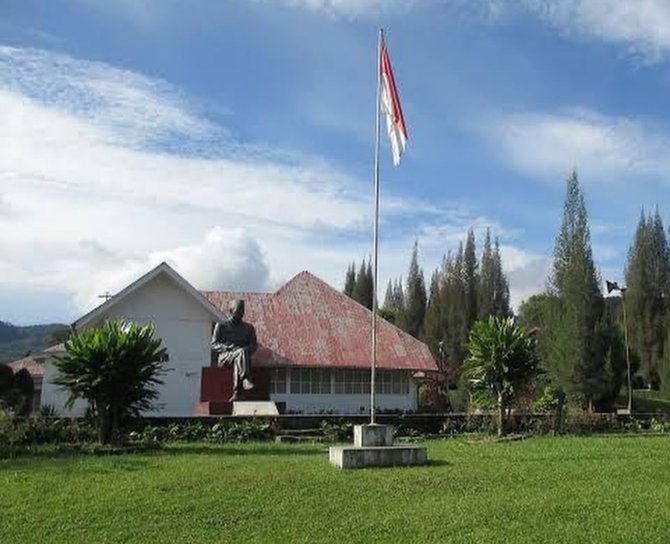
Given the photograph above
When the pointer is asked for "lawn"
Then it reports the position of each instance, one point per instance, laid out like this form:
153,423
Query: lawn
577,490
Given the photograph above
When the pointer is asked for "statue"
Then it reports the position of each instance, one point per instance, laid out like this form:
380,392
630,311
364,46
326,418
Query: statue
235,342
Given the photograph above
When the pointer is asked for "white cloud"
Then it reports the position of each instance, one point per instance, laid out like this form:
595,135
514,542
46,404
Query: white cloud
602,148
226,259
353,8
642,25
526,271
89,199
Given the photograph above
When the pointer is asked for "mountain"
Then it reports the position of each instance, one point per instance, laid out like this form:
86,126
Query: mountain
17,341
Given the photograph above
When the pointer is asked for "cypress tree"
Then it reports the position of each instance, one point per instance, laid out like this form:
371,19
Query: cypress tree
388,297
500,305
647,291
575,282
433,331
362,292
399,295
415,304
455,325
350,280
471,279
487,286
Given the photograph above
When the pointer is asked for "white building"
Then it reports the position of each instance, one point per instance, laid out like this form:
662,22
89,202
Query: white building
313,356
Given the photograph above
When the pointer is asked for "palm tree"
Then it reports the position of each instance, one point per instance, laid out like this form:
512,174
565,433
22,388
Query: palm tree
503,359
115,368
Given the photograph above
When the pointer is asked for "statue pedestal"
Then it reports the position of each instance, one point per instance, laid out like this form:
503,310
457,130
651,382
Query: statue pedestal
255,408
373,447
216,388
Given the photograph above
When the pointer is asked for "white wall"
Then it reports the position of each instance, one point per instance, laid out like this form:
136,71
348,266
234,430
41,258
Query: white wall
345,404
53,396
185,328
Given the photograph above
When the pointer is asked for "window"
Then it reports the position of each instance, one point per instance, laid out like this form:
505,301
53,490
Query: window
352,382
278,380
357,382
310,380
391,383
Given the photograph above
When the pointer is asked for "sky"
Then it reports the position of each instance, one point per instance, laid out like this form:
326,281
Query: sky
235,139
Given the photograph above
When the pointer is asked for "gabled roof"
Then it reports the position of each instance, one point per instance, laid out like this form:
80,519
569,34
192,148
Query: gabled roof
164,269
32,363
308,323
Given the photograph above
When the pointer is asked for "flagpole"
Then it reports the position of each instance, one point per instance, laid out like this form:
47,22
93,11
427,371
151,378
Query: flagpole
375,230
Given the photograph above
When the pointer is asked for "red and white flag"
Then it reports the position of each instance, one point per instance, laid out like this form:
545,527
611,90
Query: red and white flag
390,104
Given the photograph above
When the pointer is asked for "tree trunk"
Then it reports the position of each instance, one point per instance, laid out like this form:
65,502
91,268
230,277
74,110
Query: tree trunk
501,415
103,426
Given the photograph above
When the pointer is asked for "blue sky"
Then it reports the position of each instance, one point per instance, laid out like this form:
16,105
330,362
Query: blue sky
235,139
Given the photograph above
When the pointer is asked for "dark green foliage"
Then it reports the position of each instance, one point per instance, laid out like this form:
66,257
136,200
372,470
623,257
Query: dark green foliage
350,280
647,277
16,390
362,289
470,278
415,303
198,431
455,325
502,361
577,363
493,291
116,369
24,385
6,378
433,332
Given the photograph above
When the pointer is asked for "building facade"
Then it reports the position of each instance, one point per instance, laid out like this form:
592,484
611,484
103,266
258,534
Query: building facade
313,355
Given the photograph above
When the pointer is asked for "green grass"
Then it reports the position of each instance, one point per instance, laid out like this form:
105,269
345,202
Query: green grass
648,402
577,490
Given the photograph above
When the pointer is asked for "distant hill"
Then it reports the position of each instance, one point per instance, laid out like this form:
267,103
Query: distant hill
16,341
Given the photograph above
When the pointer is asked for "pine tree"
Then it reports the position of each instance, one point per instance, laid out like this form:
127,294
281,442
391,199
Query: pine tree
471,279
388,297
493,292
455,326
350,279
647,290
399,296
415,304
433,330
370,294
575,282
362,292
486,291
500,306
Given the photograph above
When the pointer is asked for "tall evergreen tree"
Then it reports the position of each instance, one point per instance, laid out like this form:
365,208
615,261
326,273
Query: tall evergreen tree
415,304
500,306
362,292
470,279
493,292
388,297
350,280
399,295
647,278
455,325
575,283
433,329
370,286
486,292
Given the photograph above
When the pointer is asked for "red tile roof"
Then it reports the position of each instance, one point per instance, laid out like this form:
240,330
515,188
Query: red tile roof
308,323
36,368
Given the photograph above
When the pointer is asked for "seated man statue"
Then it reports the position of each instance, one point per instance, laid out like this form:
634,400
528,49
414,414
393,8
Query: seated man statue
235,342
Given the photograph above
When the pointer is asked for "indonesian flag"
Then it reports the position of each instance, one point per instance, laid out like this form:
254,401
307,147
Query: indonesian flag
390,104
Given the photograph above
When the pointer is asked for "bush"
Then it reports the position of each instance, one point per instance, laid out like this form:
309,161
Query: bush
221,432
337,431
20,433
